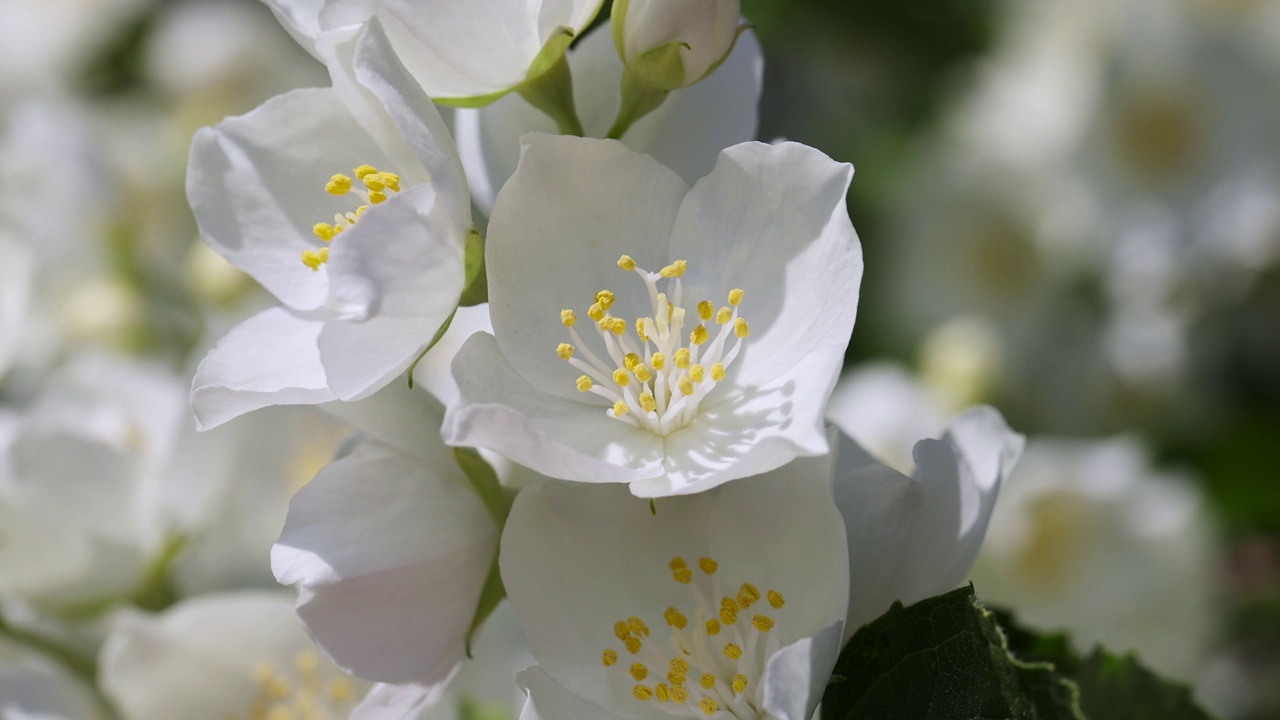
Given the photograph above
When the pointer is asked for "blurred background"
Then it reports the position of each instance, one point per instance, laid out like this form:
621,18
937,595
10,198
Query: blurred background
1069,209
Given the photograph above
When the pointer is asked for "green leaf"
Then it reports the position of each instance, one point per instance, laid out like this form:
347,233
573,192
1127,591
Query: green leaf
943,658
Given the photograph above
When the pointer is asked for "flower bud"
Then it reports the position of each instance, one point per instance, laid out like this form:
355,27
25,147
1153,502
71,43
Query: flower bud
670,44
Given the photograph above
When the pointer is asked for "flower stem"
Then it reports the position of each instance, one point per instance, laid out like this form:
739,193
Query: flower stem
638,99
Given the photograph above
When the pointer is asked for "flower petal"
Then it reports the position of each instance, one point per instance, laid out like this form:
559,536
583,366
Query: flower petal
797,675
549,701
395,702
270,359
499,410
368,541
434,371
573,206
396,276
771,219
398,415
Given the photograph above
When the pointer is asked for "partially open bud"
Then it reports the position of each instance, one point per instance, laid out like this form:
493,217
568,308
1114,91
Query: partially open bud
670,44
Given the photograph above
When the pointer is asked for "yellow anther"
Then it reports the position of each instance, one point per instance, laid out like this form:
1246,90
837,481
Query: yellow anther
361,210
263,672
713,627
391,180
610,658
682,575
674,270
626,263
621,377
686,386
596,312
307,662
735,297
647,402
706,310
568,317
708,565
723,315
728,602
662,692
696,373
747,595
740,328
732,651
640,331
739,684
679,694
677,562
639,671
707,681
699,335
728,615
642,373
676,679
564,351
584,383
643,693
618,326
340,689
377,198
658,361
637,626
679,666
776,601
365,170
682,358
374,181
709,706
621,631
677,620
763,623
324,231
315,258
338,185
632,644
279,687
620,408
605,298
630,361
717,372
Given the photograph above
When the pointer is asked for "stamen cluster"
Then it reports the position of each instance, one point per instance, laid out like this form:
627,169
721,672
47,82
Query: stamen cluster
303,695
376,186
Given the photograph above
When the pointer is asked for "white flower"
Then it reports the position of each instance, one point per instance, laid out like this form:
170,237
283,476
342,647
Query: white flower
744,287
728,604
460,51
222,655
264,188
390,546
671,44
46,43
911,538
685,133
1090,539
33,687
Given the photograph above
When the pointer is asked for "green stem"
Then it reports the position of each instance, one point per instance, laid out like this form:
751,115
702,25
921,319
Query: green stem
638,99
552,93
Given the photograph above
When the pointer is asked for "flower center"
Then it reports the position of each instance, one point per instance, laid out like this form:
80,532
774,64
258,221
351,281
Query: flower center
376,186
713,659
657,375
306,693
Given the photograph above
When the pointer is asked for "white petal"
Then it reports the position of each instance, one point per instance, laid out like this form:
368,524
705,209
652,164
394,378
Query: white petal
771,219
435,371
401,417
610,555
499,410
547,252
369,541
270,359
797,675
549,701
884,408
33,687
396,702
397,275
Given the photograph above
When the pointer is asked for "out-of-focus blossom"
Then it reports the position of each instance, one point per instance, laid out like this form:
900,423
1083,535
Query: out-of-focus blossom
34,687
686,133
651,384
1089,538
43,44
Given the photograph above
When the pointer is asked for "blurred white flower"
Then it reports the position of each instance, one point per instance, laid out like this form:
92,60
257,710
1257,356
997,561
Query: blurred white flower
670,44
223,655
729,603
42,44
1089,538
686,133
34,687
460,52
686,396
257,184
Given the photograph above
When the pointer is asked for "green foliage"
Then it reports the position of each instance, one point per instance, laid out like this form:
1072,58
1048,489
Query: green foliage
944,657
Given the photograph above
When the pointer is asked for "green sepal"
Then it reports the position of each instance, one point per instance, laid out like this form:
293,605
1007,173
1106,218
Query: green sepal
474,101
618,22
497,500
551,52
552,93
661,67
638,99
491,594
477,281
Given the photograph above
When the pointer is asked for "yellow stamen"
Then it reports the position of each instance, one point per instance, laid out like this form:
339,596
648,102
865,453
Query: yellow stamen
696,373
364,170
682,358
605,298
620,408
713,627
741,329
637,626
677,620
739,684
639,671
763,623
338,185
735,297
677,562
728,615
707,681
717,372
679,694
674,270
747,595
584,383
621,377
596,312
610,658
732,651
630,361
315,258
640,331
642,373
682,575
709,706
568,317
706,310
564,351
776,601
626,263
698,336
618,326
662,692
621,631
648,403
377,198
658,360
324,231
643,693
374,182
708,565
340,689
686,387
632,643
680,666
